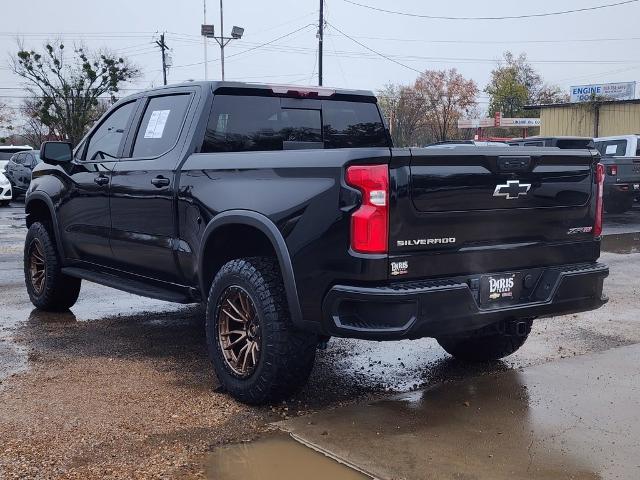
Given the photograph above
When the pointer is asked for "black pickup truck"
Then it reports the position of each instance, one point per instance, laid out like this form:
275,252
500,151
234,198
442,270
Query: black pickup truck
287,211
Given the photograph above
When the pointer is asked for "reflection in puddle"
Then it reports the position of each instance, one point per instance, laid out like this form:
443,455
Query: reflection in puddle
40,316
275,458
570,419
621,243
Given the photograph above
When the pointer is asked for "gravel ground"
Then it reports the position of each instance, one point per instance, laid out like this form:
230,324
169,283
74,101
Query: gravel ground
122,387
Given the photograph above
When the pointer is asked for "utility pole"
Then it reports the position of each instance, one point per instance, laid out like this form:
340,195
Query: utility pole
163,48
204,39
320,39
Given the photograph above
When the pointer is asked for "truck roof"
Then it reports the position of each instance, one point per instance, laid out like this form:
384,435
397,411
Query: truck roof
616,137
283,89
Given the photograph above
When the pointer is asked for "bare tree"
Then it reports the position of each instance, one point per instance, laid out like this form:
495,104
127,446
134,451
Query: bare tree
70,87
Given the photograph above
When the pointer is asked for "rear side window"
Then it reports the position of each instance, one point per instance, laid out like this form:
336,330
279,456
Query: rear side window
161,125
612,148
253,123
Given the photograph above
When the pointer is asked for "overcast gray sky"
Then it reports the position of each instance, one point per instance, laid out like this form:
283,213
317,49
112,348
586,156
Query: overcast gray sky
586,47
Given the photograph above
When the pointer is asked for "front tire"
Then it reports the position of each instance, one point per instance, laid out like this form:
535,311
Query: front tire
257,354
495,342
49,289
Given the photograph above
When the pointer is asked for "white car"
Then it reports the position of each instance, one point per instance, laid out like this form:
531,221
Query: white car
5,190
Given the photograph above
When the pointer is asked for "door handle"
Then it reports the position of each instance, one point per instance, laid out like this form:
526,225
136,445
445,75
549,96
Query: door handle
101,180
160,182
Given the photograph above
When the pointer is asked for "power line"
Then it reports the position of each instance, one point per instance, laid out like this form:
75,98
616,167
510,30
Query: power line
508,17
261,45
498,42
372,50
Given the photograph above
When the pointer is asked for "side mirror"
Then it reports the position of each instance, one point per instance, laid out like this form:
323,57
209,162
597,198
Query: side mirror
56,152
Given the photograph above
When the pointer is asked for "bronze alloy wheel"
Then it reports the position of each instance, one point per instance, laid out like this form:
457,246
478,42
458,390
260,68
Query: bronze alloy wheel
37,266
239,331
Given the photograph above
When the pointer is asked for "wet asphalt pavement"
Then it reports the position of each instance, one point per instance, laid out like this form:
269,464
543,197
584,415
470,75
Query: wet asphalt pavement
121,387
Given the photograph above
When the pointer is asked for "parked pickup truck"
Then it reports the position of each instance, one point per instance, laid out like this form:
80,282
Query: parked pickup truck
289,214
621,159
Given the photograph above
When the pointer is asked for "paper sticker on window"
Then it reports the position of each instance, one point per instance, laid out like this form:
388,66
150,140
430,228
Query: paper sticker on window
611,149
157,121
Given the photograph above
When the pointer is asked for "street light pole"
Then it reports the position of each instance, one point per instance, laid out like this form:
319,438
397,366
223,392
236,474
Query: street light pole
222,44
207,31
204,39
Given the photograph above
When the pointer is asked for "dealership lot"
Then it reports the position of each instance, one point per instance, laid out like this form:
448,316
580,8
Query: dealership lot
121,386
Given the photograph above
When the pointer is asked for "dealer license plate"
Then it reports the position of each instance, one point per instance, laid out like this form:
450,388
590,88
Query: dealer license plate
502,288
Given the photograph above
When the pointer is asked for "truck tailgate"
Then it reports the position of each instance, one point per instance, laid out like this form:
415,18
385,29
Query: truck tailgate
483,209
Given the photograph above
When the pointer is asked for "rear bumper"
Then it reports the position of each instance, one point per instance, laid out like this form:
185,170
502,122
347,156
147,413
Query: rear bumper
5,193
445,307
622,190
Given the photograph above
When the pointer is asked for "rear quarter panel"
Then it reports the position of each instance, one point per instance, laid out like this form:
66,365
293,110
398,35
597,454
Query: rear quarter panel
302,192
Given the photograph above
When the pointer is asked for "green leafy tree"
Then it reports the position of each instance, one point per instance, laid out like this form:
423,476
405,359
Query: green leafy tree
71,88
515,83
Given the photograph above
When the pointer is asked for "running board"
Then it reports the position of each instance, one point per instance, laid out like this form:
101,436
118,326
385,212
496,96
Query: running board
127,284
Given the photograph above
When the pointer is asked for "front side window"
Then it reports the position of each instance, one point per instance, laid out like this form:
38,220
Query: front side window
161,125
105,141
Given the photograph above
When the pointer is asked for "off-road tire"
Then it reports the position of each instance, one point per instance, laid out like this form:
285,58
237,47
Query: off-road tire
618,206
286,355
60,292
491,343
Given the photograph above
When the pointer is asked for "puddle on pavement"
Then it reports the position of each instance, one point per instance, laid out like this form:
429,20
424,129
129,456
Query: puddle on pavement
278,457
569,419
621,243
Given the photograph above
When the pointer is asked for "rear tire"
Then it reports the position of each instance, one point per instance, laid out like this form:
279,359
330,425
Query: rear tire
49,289
247,304
495,342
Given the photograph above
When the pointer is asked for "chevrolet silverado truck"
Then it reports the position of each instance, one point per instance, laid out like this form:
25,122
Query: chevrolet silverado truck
287,211
621,160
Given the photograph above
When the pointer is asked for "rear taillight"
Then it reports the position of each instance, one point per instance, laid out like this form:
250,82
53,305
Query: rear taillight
612,170
370,223
597,226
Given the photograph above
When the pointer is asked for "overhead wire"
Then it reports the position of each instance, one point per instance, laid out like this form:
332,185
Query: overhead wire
505,17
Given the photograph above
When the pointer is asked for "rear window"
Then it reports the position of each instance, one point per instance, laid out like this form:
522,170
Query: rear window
252,123
612,148
576,143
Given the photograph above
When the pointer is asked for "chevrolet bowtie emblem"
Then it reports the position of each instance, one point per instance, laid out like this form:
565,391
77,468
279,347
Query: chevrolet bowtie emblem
512,189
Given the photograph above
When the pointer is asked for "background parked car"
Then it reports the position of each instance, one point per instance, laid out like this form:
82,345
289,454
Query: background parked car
19,169
621,158
559,142
7,151
6,192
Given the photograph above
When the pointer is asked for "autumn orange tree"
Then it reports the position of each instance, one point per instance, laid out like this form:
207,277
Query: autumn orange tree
428,110
447,96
